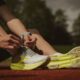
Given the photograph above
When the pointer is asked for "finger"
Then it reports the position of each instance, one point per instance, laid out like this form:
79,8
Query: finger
14,41
33,39
30,39
15,37
15,45
9,47
29,44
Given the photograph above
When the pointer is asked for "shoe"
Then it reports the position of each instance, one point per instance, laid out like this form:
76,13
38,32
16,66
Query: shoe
71,63
61,57
75,51
72,54
30,56
29,60
26,66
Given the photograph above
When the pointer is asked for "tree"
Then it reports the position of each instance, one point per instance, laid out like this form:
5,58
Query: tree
60,29
35,14
61,19
76,30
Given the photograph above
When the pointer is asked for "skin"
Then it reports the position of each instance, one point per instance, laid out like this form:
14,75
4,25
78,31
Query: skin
15,24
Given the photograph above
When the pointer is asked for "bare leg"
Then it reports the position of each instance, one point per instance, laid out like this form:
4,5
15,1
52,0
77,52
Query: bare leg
43,45
15,24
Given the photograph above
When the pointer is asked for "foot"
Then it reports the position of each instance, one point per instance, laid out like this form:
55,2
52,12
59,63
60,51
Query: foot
72,63
29,60
70,59
59,56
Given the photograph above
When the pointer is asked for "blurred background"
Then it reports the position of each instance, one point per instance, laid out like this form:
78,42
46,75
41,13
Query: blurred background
58,21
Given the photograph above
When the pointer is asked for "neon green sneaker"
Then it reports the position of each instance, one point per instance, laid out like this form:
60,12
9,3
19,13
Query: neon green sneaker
71,63
29,60
71,55
26,66
75,51
61,57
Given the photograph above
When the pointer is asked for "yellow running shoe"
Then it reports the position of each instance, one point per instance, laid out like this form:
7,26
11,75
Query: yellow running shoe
29,60
61,57
71,63
26,66
71,55
75,51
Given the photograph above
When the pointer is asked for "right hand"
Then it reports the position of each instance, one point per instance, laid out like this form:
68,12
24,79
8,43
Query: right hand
30,41
9,41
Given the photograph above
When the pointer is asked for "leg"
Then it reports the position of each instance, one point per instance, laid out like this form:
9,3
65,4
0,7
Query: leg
43,45
15,24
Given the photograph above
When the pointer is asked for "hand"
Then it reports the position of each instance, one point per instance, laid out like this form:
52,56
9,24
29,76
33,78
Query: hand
9,41
30,41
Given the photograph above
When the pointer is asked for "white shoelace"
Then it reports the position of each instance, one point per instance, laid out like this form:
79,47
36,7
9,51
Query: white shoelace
29,52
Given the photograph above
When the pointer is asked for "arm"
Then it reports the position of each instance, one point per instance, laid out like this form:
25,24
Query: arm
2,32
8,41
15,25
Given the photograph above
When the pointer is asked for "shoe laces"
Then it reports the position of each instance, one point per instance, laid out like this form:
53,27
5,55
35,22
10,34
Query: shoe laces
28,52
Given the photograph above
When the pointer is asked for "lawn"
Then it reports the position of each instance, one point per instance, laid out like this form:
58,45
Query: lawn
63,48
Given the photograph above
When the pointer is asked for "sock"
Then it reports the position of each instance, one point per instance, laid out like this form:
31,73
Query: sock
56,54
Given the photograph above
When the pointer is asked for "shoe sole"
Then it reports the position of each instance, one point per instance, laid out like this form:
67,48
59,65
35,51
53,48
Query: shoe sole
22,66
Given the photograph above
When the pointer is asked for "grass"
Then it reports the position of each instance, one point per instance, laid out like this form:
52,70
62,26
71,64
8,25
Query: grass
63,48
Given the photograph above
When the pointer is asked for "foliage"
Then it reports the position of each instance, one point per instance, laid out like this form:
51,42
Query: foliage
61,35
76,30
35,14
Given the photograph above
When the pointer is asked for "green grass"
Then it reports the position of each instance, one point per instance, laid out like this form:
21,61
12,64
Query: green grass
63,48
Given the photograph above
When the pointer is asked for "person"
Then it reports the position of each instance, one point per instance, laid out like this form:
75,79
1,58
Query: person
29,59
11,43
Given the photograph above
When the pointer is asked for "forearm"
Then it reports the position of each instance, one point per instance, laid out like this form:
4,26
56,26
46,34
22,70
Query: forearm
14,24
